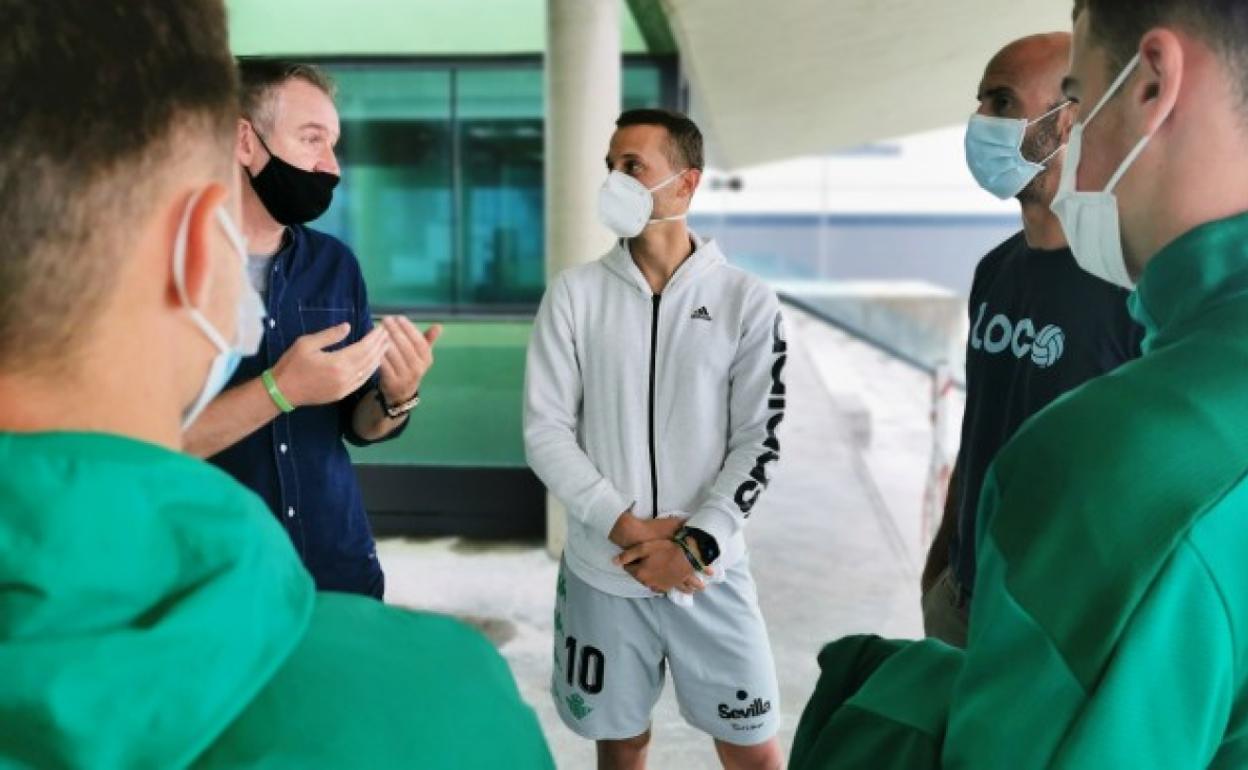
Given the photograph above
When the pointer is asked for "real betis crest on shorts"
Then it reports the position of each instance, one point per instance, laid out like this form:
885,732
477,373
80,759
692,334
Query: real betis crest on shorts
577,705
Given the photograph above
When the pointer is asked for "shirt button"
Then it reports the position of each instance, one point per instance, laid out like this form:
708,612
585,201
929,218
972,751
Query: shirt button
290,513
272,323
283,448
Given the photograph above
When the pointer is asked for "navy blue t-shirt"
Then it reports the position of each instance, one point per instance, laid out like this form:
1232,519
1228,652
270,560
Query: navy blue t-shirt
1040,327
298,462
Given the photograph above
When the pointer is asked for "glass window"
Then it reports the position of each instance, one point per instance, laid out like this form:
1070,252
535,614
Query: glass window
499,116
394,204
643,86
442,194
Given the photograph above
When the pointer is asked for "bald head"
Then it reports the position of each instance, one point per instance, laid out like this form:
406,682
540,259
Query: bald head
1024,81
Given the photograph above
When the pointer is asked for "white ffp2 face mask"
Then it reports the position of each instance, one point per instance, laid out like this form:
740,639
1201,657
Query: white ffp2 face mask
249,328
994,153
625,205
1090,219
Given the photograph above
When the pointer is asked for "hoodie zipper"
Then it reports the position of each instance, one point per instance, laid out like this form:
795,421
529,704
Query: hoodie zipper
654,350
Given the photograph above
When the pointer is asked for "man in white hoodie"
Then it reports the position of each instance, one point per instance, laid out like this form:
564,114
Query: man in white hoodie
653,395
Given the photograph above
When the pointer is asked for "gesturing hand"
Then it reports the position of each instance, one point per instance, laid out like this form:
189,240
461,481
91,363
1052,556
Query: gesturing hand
408,358
309,375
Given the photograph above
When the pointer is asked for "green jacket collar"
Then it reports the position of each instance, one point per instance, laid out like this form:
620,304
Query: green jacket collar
1192,273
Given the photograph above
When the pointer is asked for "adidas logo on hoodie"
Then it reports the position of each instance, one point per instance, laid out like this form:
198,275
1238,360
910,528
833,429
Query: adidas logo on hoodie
701,314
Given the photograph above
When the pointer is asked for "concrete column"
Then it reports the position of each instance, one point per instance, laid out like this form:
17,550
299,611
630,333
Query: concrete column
582,102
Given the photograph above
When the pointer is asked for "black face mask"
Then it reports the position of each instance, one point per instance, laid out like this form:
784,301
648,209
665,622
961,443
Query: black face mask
291,195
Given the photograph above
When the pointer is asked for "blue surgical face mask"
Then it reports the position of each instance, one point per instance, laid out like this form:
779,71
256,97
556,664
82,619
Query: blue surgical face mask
994,153
250,315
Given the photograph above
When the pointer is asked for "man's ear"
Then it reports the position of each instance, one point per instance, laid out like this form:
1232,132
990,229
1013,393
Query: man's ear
1066,122
199,264
690,181
245,143
1156,91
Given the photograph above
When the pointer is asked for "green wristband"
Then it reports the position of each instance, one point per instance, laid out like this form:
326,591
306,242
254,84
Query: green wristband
270,385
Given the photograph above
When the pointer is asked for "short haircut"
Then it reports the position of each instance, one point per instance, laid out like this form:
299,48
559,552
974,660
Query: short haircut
97,100
1119,25
260,78
684,145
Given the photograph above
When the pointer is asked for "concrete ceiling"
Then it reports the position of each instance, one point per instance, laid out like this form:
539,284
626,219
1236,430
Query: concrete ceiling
774,79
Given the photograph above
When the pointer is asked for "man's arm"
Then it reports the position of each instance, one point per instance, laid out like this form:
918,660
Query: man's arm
852,723
1068,705
552,403
938,555
756,402
406,362
926,706
756,406
306,375
404,365
229,418
369,423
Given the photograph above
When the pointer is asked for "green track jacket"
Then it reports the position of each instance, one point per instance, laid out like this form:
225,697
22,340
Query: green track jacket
1110,623
154,615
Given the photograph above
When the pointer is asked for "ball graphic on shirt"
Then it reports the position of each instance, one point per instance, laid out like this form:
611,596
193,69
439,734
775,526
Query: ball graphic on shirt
1048,346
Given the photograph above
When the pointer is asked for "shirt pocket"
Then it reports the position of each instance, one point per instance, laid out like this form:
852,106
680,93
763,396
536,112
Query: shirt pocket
319,315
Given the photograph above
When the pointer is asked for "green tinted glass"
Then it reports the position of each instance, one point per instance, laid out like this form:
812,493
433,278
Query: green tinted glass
499,127
394,207
442,197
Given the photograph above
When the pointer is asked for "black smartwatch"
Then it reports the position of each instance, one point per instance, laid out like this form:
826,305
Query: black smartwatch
705,542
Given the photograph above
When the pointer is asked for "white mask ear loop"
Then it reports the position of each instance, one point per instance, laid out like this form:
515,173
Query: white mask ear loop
1058,108
667,181
660,186
179,278
1126,164
1051,155
1060,147
231,232
1142,144
179,250
1113,88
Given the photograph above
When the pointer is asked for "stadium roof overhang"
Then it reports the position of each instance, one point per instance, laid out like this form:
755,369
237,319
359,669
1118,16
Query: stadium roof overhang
774,80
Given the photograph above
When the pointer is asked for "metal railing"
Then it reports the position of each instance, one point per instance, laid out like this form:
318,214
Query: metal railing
943,385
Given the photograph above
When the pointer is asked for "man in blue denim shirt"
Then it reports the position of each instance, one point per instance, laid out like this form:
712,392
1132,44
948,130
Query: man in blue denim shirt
324,372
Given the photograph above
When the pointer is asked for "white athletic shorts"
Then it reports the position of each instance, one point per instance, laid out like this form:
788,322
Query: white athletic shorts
612,653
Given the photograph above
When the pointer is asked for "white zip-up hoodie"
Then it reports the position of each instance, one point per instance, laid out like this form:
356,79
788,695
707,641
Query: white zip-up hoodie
654,403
